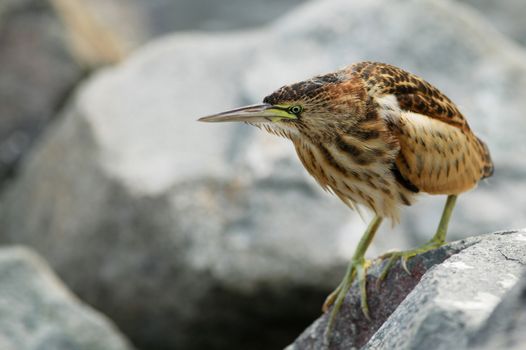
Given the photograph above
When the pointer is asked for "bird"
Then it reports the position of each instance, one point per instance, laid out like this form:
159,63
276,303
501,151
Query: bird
376,136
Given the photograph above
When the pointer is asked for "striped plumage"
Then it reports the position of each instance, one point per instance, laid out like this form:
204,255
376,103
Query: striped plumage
376,135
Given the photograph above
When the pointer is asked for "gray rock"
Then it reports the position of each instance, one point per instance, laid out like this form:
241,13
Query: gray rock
505,328
455,298
195,229
38,312
437,307
36,73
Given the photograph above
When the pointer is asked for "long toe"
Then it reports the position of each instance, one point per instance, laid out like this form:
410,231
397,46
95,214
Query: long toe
405,256
362,281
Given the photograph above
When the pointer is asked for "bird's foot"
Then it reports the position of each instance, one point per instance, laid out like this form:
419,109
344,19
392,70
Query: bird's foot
356,269
404,257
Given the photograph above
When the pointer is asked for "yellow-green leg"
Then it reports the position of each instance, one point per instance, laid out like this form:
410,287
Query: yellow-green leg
438,240
357,267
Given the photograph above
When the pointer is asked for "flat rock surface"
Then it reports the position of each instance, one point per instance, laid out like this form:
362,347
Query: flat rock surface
448,298
38,312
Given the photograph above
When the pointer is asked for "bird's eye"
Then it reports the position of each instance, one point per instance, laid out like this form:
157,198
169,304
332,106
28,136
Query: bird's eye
295,109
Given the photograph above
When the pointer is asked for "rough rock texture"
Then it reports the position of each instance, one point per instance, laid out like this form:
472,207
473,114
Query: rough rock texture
37,311
506,327
195,229
434,308
36,73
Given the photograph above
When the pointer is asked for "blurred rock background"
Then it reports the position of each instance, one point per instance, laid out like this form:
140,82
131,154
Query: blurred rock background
194,236
38,312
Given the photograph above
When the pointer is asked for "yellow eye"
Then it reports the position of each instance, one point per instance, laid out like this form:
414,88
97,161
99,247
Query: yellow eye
295,109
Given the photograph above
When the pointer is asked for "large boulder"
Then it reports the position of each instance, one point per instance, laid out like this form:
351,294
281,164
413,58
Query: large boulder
38,312
178,229
442,307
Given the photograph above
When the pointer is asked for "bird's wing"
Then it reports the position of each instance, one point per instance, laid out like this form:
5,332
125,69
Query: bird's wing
438,151
412,92
436,157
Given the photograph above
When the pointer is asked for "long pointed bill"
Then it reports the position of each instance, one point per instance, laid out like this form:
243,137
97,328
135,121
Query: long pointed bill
253,114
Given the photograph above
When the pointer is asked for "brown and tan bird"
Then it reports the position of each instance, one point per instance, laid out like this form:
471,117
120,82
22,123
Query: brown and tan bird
374,135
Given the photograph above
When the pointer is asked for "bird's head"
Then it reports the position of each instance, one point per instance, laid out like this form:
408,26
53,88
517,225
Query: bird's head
316,107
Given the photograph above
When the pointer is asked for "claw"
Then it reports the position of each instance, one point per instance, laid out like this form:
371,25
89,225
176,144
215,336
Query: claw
331,298
362,279
403,263
404,258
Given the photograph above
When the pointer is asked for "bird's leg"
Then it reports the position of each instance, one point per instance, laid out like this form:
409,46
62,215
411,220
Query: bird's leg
438,240
357,267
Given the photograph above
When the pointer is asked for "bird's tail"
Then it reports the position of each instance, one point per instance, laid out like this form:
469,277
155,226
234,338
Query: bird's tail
488,163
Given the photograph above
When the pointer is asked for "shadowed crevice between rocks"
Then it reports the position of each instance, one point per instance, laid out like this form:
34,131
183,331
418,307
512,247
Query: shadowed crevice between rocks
278,316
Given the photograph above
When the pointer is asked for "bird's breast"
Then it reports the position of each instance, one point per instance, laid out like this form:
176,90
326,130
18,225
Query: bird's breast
357,174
